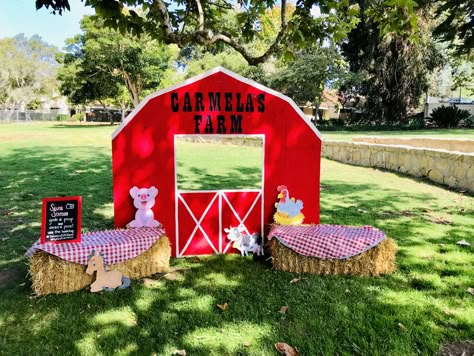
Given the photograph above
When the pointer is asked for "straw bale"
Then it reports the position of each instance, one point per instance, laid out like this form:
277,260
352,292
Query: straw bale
373,262
51,274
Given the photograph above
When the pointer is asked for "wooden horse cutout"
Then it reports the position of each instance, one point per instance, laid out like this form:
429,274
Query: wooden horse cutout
105,280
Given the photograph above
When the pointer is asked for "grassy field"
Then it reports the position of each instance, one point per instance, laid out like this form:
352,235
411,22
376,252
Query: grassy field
467,134
422,306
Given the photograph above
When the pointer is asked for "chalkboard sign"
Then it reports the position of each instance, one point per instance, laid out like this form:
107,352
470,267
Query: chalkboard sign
61,221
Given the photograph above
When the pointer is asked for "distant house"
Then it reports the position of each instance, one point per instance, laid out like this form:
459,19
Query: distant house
56,104
329,108
351,106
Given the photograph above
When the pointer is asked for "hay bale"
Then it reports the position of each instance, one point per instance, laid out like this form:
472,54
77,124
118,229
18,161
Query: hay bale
51,274
373,262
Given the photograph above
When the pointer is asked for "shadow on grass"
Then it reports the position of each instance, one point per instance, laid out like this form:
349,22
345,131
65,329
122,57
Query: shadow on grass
237,178
399,314
326,315
79,126
28,175
365,204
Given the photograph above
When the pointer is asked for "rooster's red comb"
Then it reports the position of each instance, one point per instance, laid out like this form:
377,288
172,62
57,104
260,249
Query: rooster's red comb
281,187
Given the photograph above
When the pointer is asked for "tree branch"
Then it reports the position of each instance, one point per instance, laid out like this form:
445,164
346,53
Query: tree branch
274,47
201,15
284,24
206,37
160,8
220,6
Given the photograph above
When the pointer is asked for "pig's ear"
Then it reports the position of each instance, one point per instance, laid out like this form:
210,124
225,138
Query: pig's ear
153,191
133,192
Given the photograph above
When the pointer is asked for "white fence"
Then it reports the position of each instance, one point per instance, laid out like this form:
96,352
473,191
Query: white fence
28,115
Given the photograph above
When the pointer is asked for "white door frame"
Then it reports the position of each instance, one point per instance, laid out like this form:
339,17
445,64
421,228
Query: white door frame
220,195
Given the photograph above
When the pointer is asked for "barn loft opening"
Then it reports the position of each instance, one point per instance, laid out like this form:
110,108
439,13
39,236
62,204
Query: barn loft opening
219,162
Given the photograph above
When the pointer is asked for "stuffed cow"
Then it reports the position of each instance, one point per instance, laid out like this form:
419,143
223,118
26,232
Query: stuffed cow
144,200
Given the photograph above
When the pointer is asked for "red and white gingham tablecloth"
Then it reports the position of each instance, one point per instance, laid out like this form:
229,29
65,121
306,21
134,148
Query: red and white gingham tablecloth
116,245
327,241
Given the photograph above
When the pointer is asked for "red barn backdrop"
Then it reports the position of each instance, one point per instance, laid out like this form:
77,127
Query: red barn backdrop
218,102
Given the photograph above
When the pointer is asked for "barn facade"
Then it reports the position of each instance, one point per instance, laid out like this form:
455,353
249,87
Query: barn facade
218,102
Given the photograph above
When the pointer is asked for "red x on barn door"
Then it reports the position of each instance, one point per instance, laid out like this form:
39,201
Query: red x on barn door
202,216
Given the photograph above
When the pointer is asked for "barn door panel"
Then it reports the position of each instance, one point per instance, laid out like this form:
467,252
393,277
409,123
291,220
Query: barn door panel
198,223
241,207
203,216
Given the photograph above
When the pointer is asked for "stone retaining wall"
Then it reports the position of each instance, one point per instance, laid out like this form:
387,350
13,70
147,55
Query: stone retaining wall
424,142
454,169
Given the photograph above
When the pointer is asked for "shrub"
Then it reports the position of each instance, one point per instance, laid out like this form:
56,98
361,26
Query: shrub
467,123
336,122
62,117
78,117
332,123
448,116
417,123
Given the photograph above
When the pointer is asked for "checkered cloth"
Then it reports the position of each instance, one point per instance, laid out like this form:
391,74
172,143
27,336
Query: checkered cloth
116,245
327,241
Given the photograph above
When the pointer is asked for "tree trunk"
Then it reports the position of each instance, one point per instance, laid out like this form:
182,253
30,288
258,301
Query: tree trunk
109,114
124,110
133,89
316,115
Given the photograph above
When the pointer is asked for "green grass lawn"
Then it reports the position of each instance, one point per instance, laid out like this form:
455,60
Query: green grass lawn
414,311
467,134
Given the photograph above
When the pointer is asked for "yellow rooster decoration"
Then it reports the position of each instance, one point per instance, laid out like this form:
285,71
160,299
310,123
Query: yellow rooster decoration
288,210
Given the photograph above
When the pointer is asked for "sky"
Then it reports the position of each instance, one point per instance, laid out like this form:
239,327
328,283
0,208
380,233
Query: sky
20,16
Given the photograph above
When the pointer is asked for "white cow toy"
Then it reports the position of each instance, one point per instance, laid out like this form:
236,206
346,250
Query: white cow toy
144,200
245,243
256,244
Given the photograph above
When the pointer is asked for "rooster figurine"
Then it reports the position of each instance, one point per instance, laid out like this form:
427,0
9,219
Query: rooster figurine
288,210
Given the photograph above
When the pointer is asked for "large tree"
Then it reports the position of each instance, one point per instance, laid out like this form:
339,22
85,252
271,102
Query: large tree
101,62
27,71
394,69
205,22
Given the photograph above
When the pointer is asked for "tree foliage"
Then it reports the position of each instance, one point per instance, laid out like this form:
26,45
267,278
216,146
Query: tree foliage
305,78
102,62
205,22
400,79
457,25
394,69
462,73
207,61
387,42
27,70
